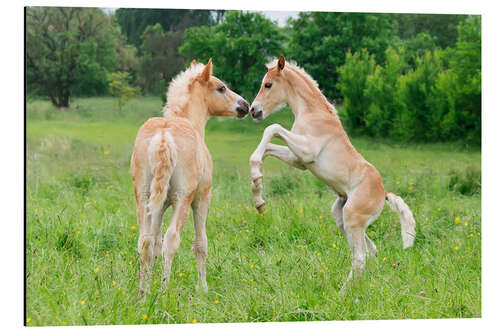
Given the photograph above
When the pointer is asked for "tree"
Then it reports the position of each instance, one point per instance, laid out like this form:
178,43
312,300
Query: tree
354,74
461,84
382,94
134,21
160,58
419,119
120,89
68,50
240,48
441,26
319,42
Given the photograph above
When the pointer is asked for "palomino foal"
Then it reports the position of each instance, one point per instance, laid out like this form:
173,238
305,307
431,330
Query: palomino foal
318,143
171,166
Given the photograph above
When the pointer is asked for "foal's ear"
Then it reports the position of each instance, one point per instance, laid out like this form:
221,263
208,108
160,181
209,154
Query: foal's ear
193,63
281,63
207,71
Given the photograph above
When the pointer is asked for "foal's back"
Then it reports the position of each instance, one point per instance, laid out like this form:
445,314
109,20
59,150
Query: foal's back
181,137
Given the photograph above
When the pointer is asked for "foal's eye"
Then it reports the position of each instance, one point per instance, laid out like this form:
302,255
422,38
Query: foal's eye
268,85
221,89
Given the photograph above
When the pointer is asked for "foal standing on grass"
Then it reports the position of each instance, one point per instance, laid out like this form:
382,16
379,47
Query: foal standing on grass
318,142
171,166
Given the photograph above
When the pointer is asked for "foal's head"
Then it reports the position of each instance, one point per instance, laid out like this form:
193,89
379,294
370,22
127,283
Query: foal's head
272,92
196,85
219,99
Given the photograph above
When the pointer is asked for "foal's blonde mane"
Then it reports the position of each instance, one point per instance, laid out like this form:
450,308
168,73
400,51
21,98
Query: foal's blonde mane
178,89
308,80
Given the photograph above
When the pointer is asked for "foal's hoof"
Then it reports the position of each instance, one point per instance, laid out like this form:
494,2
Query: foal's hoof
261,208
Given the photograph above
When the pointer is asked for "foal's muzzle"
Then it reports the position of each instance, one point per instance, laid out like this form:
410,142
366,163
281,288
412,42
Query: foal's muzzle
242,108
257,113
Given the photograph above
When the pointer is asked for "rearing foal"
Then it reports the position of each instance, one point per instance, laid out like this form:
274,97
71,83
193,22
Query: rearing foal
318,143
171,166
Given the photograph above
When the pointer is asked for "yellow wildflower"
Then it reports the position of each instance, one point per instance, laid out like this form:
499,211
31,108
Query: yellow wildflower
457,220
113,283
216,301
456,247
133,227
82,302
96,270
28,319
195,321
398,182
106,152
144,317
180,274
334,245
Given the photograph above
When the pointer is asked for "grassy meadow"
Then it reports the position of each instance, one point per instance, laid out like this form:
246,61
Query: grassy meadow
285,265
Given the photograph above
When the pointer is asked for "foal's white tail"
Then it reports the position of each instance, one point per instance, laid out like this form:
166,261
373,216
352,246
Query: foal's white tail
405,217
162,155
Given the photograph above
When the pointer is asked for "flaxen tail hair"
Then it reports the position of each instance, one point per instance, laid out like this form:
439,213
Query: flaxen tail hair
162,154
405,218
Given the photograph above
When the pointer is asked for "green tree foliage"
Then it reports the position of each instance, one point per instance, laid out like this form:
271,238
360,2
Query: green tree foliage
134,21
355,72
120,89
419,120
319,41
434,96
68,50
240,48
417,47
460,86
381,92
443,27
160,58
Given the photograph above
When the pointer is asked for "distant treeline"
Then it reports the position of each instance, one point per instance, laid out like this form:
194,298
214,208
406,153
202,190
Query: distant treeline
408,76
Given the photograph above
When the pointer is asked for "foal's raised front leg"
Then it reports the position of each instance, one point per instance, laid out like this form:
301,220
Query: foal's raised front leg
284,154
297,154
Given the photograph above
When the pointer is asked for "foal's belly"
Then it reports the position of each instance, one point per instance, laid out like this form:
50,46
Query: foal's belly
334,176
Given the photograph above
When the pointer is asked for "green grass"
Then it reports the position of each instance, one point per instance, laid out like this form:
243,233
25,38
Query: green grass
285,265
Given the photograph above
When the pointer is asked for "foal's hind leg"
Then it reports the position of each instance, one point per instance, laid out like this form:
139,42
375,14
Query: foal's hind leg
355,233
370,246
337,213
200,246
172,238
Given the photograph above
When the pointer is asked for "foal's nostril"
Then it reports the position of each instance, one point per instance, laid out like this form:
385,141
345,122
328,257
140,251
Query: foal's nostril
257,115
243,104
252,110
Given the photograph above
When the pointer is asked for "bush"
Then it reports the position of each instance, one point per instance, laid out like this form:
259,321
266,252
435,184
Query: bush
354,75
380,91
466,182
419,120
120,89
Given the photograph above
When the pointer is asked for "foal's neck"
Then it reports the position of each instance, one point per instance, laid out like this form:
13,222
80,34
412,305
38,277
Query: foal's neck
196,112
305,98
